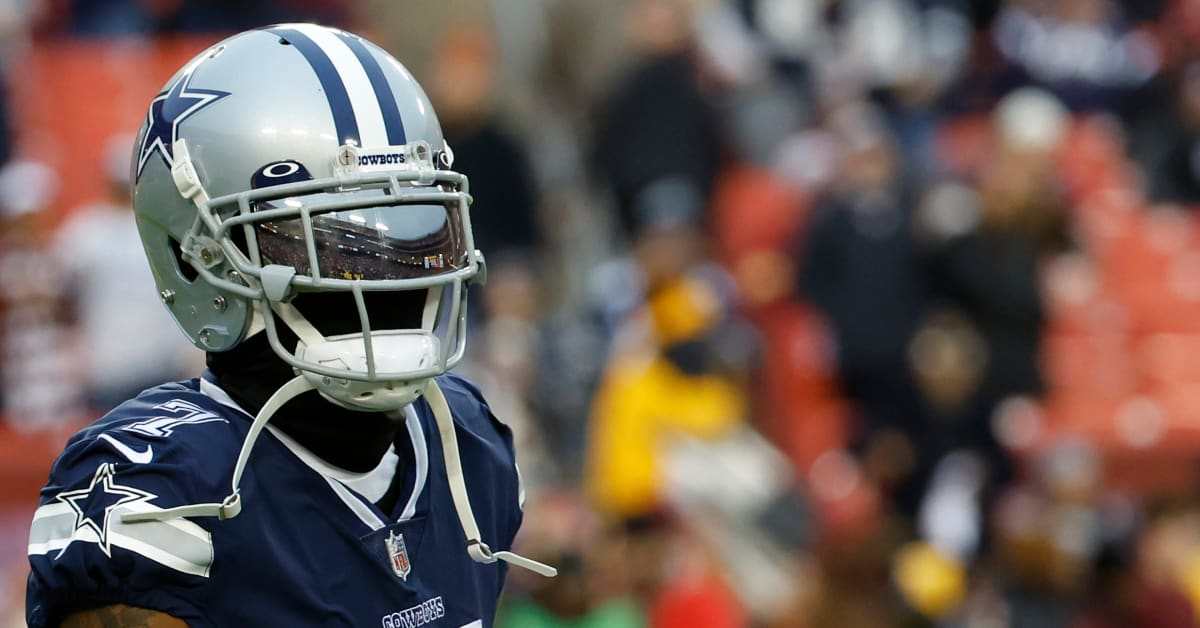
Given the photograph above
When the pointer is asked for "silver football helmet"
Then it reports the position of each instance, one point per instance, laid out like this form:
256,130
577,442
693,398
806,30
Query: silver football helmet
299,159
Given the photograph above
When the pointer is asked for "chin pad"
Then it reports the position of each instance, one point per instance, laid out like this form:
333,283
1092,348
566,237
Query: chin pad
395,353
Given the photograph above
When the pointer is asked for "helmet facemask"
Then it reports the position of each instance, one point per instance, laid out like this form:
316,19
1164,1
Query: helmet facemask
369,271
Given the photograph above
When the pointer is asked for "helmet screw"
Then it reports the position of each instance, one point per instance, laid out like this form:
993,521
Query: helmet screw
219,303
167,296
235,277
205,336
206,256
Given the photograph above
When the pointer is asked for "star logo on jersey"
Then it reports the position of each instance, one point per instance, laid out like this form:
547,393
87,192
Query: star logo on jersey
94,505
399,554
167,111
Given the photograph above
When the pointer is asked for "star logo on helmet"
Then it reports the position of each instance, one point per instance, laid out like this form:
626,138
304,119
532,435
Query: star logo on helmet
167,111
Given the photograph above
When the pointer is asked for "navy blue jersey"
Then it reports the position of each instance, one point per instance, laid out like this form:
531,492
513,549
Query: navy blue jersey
309,548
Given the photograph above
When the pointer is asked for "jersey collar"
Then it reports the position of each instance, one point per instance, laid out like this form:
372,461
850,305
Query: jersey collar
363,484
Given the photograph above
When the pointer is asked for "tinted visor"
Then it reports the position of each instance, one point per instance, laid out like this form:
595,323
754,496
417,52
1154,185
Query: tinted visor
388,241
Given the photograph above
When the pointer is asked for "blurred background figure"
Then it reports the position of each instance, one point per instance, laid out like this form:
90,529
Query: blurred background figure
803,312
1171,168
40,376
675,364
464,76
597,586
984,245
656,122
15,18
1083,51
861,267
109,296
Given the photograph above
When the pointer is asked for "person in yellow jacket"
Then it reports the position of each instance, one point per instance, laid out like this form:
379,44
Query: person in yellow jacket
658,382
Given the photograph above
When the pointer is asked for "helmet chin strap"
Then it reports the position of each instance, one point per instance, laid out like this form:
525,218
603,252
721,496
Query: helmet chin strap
478,550
231,506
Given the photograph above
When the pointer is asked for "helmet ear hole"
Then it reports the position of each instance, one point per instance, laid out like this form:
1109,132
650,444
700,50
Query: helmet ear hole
185,269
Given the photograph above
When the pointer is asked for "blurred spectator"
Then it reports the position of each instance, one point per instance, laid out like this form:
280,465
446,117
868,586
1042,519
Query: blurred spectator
987,246
902,54
39,378
984,248
1141,586
1048,533
861,267
656,123
109,18
15,18
991,267
1081,50
462,86
1070,552
670,450
596,583
1172,167
529,363
676,360
507,352
126,338
6,139
738,500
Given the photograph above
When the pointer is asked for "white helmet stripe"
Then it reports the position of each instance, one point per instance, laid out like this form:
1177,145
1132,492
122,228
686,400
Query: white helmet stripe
371,128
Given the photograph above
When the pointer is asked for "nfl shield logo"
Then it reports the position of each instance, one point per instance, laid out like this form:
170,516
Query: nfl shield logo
399,555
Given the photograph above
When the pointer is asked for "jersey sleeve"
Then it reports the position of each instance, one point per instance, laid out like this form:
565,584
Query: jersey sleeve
81,552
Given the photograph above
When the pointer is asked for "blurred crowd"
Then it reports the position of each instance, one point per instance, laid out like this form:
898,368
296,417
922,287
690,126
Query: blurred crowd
804,312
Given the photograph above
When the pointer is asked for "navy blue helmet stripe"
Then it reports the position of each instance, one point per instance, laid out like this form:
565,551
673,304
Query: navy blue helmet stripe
344,121
383,92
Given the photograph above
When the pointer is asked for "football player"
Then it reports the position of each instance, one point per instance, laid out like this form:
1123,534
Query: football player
297,204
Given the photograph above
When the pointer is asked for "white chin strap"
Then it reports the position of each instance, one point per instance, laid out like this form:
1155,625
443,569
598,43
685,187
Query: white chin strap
231,506
478,550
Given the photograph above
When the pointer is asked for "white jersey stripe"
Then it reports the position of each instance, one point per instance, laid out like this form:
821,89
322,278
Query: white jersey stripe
179,544
197,565
420,457
356,505
53,509
372,131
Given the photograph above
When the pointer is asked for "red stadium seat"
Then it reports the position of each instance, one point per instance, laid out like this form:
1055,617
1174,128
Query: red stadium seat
1089,364
1167,359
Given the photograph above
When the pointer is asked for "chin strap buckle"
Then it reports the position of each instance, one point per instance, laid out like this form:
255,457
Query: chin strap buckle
481,553
184,174
231,506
